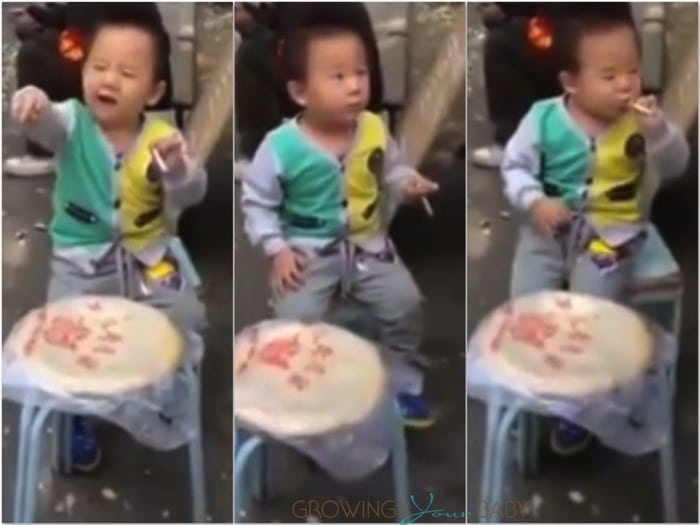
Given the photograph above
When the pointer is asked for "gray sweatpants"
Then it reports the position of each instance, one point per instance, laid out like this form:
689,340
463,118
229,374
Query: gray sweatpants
386,288
68,280
540,263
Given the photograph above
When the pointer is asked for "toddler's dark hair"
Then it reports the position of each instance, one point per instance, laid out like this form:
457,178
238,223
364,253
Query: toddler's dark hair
145,17
295,44
570,33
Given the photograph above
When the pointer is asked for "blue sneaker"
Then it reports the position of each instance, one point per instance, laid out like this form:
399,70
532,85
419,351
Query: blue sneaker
86,453
567,439
415,411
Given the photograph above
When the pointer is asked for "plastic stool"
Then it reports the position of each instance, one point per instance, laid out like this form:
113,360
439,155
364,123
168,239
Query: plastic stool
32,422
502,416
250,466
656,291
33,419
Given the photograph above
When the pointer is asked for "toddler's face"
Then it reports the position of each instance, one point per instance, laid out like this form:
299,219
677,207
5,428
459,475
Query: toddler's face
118,75
337,80
608,79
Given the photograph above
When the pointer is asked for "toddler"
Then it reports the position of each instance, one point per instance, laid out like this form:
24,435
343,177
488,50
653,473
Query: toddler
109,230
317,193
576,165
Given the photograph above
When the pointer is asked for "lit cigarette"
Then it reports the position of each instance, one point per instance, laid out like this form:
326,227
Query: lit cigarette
162,166
427,207
642,109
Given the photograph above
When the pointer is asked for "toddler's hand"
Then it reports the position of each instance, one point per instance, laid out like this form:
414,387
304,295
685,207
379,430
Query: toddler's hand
648,113
287,271
29,105
550,215
171,155
416,186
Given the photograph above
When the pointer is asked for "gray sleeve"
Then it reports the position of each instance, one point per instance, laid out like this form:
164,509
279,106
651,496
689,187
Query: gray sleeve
668,150
53,126
262,199
396,170
520,166
191,191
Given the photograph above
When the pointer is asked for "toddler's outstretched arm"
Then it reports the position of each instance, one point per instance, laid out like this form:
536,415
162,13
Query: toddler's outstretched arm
46,123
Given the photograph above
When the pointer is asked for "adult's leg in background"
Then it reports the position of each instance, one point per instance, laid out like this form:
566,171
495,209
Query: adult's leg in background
516,75
40,64
257,89
508,75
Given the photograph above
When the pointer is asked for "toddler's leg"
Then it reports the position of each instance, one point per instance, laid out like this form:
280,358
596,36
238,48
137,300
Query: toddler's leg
311,301
67,280
391,294
538,263
596,278
601,278
182,306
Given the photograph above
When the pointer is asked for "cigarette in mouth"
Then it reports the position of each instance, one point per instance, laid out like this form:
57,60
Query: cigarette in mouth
162,166
427,207
642,109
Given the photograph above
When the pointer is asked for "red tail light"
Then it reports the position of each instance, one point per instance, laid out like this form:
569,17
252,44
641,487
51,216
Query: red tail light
70,45
540,33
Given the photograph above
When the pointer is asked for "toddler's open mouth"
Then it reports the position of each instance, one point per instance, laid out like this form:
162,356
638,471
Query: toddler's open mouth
106,99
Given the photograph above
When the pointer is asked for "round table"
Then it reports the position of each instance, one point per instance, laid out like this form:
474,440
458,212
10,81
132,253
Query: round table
97,346
296,380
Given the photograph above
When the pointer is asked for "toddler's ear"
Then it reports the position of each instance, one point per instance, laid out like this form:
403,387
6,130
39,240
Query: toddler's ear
567,82
297,92
156,94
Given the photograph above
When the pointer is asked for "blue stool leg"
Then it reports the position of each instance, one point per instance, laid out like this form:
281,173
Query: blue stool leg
61,443
66,441
501,451
667,459
258,469
399,461
56,443
676,330
668,483
245,451
259,473
34,450
26,418
522,442
196,454
532,460
493,410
